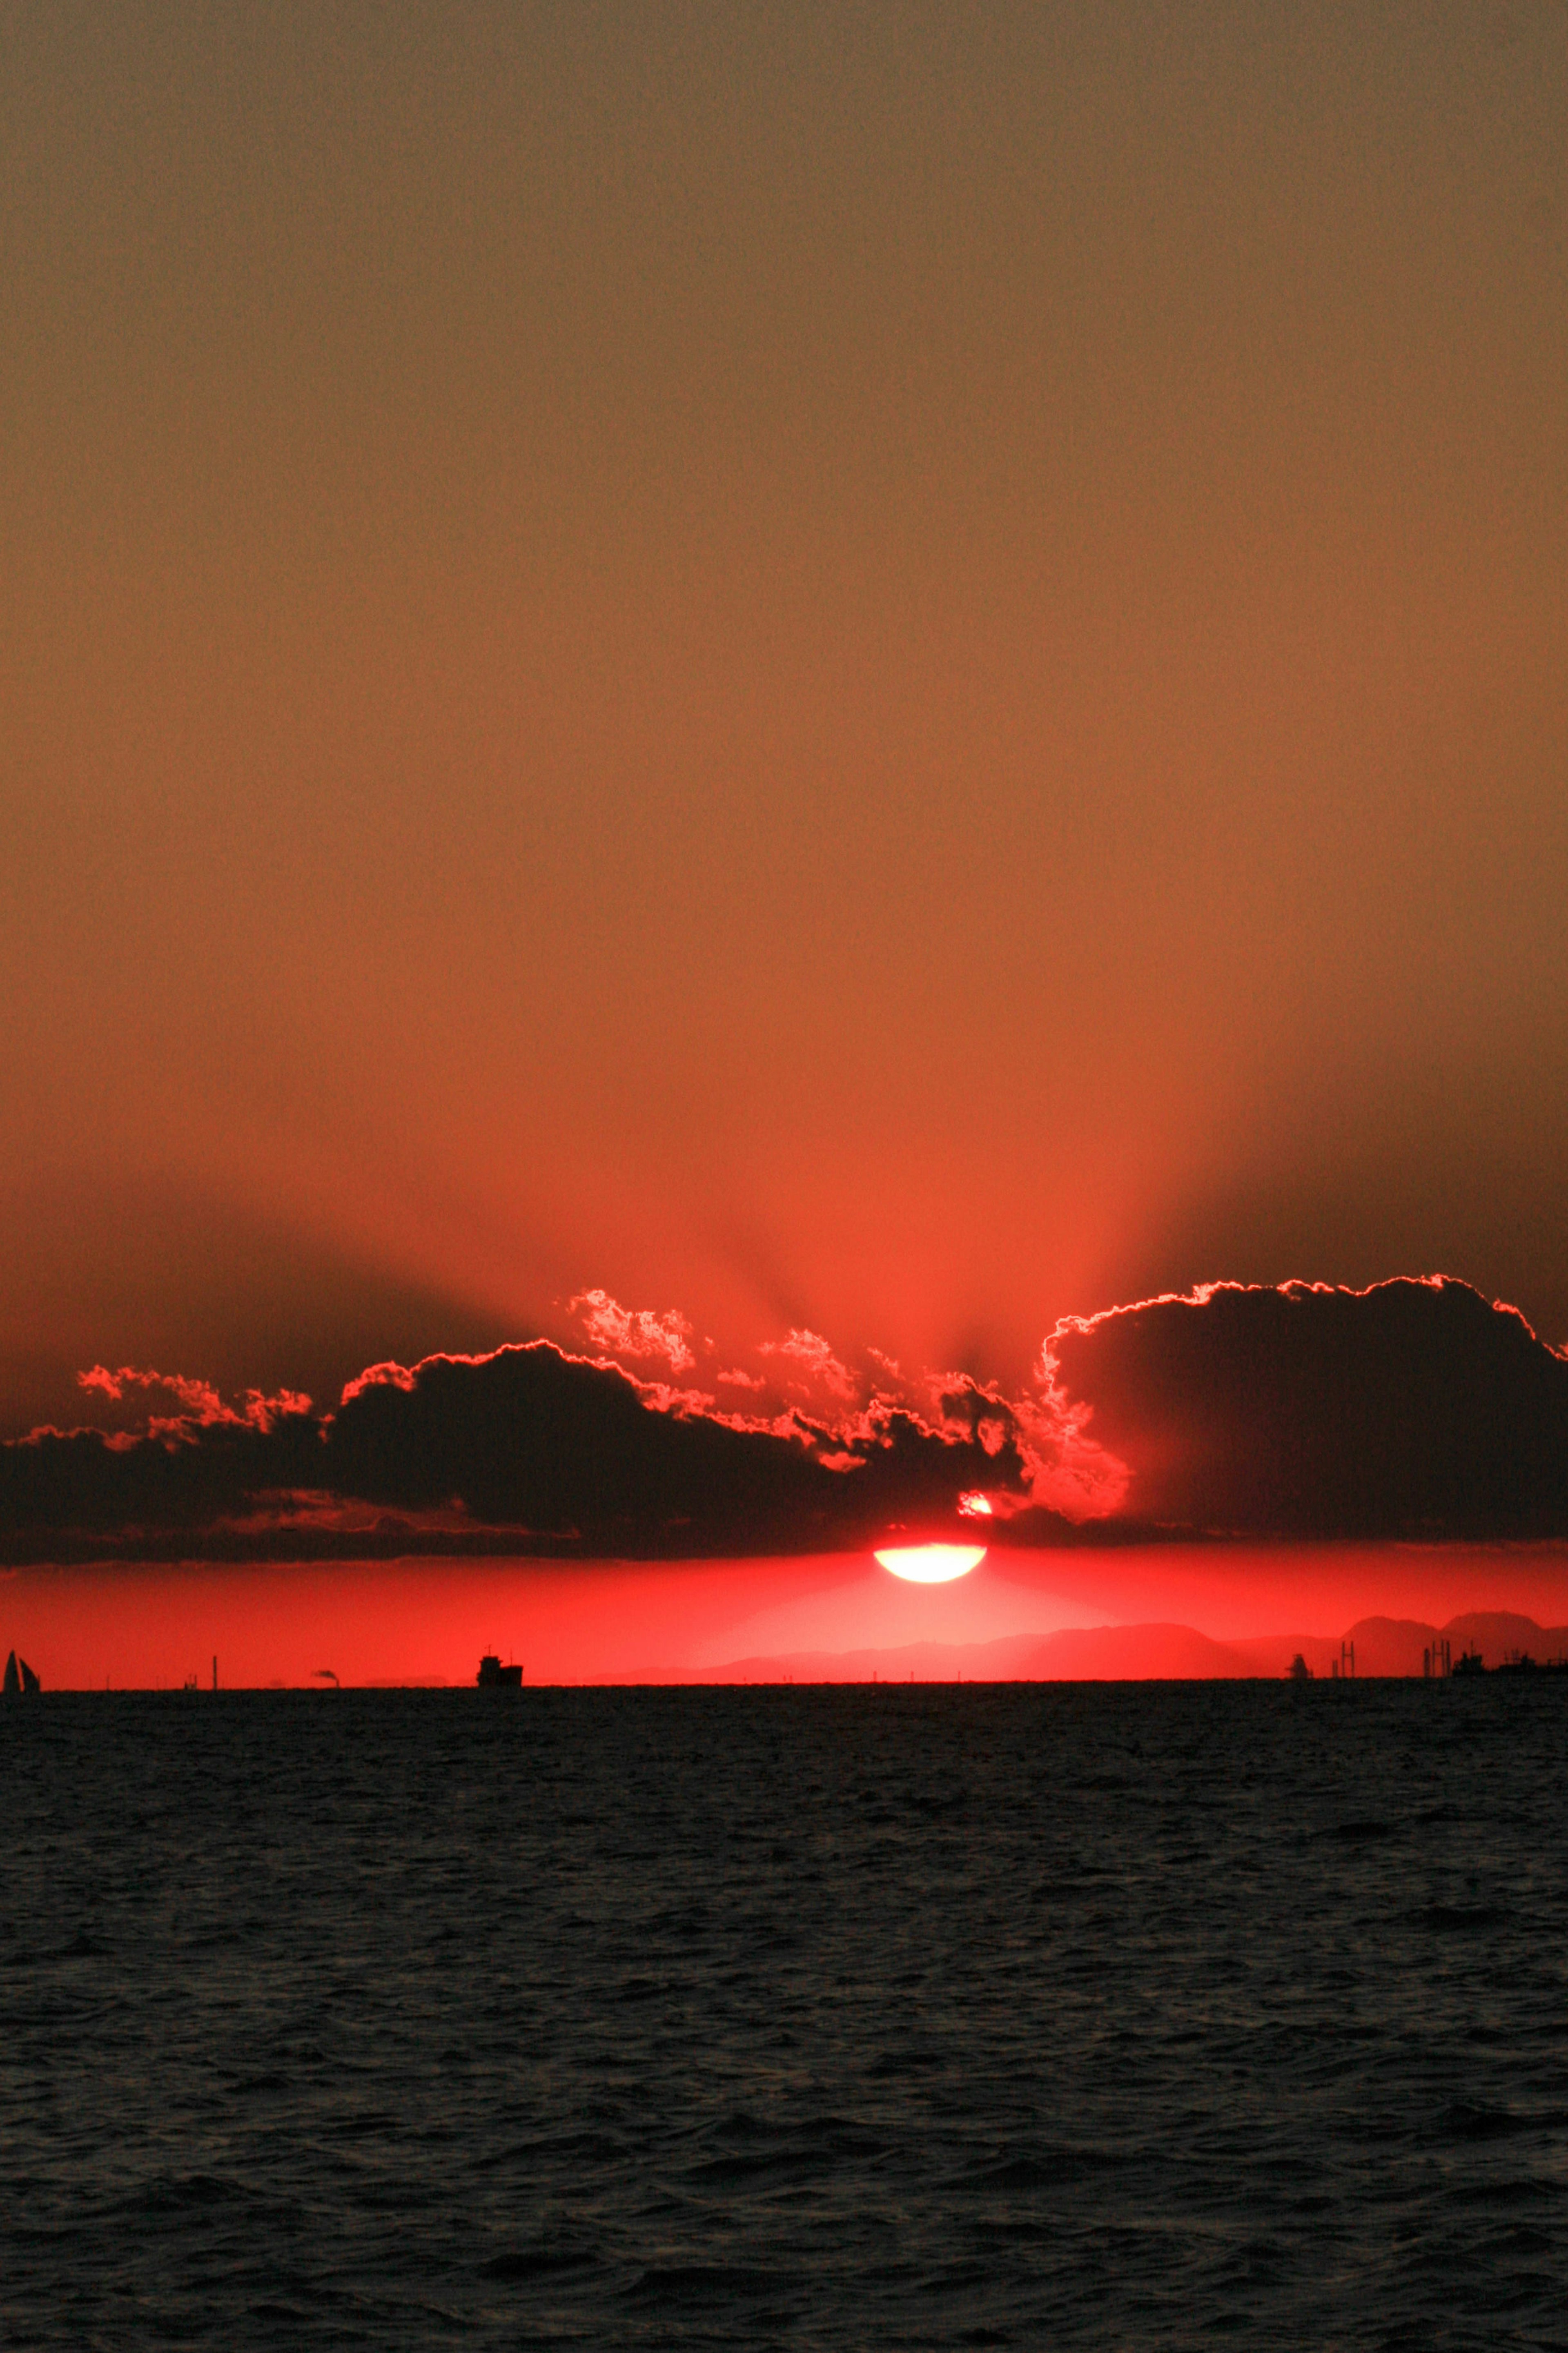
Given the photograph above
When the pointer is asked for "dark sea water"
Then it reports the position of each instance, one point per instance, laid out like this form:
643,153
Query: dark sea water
867,2017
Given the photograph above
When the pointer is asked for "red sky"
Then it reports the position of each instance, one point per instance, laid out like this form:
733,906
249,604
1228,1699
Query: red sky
896,670
430,1621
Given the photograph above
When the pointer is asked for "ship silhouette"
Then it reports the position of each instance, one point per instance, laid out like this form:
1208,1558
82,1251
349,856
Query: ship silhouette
493,1676
17,1683
1518,1662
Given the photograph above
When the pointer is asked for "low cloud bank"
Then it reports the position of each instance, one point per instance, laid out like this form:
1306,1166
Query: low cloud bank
1415,1409
529,1448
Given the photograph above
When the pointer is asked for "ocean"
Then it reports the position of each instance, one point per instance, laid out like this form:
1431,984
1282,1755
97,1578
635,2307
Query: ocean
1101,2015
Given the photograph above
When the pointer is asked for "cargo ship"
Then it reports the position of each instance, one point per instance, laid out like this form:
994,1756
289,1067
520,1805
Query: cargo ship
493,1676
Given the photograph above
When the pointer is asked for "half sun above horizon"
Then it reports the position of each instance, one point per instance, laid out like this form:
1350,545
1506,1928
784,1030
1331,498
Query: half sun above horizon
930,1564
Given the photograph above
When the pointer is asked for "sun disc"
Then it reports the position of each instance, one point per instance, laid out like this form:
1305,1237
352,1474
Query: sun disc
931,1564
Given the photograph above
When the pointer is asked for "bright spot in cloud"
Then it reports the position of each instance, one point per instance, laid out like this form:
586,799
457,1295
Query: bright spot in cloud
931,1564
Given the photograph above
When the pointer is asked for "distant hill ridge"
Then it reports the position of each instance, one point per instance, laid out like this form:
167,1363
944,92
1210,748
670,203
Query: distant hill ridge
1154,1652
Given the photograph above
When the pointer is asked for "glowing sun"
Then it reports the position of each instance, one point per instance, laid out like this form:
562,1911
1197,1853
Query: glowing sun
931,1564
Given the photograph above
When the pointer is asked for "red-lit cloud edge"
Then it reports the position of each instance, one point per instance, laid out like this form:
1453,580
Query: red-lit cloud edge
1415,1408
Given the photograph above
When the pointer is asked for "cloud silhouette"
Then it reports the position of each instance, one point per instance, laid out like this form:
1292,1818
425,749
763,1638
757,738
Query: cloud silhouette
1416,1408
542,1447
1413,1408
62,1492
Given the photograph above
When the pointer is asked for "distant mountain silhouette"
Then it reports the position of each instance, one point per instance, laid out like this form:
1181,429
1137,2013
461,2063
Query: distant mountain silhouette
1157,1652
1392,1646
1135,1654
1004,1661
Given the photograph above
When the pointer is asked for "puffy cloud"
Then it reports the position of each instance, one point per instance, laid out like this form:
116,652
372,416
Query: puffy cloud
200,1405
542,1447
1413,1408
113,1490
1416,1408
812,1359
634,1332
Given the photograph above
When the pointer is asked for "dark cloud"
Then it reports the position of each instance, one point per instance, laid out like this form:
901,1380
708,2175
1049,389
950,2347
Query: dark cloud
1415,1408
528,1444
62,1492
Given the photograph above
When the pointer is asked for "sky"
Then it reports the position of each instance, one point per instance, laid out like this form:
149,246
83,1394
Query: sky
830,1617
890,672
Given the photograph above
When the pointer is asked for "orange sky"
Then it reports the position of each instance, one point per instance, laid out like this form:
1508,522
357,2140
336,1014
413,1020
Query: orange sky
895,670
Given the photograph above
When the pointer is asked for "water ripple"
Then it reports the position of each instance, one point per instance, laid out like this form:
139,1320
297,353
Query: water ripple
843,2018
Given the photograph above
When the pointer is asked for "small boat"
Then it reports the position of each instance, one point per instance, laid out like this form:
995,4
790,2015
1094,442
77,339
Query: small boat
493,1676
19,1677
